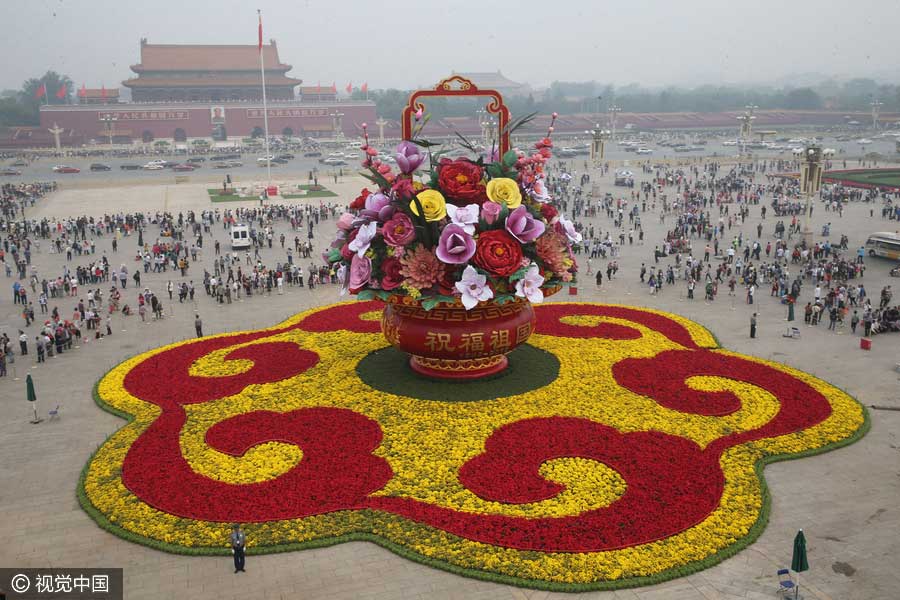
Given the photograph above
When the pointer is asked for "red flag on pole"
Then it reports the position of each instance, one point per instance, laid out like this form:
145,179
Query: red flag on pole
349,88
334,87
103,91
40,92
62,92
260,31
364,88
318,87
82,92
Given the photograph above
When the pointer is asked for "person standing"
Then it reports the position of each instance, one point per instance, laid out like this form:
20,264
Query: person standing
238,545
753,325
198,325
23,343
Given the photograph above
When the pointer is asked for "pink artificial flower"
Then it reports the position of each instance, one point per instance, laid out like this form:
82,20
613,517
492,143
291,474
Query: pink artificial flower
360,273
490,212
398,231
522,226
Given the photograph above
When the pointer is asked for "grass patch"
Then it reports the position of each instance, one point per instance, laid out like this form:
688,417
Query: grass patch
875,177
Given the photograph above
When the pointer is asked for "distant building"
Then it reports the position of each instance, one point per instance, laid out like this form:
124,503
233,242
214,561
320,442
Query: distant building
316,93
208,73
98,96
497,81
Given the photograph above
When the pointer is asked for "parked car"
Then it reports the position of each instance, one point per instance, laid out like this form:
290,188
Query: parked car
130,167
184,167
100,167
153,166
66,169
314,154
10,172
20,163
286,156
196,159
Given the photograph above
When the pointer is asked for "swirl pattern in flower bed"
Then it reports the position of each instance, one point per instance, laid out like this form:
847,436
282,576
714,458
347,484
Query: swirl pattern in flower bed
634,465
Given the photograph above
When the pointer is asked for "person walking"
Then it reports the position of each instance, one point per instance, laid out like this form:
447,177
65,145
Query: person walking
753,325
238,545
198,325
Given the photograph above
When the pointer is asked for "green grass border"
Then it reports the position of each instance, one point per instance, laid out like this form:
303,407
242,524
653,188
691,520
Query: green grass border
215,196
539,584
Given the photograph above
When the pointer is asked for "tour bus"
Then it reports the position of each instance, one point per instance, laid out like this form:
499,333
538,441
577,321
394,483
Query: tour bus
240,237
885,243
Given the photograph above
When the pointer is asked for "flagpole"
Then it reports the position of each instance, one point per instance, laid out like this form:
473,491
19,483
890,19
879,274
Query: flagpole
262,74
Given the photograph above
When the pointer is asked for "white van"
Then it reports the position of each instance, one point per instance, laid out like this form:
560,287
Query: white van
240,237
884,244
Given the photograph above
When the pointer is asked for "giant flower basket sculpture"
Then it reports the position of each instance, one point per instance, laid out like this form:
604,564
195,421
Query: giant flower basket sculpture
461,253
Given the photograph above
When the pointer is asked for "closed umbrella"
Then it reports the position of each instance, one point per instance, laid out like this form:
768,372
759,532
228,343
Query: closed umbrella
798,560
31,396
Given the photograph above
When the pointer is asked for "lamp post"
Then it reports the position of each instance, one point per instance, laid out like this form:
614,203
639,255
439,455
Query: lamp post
614,111
746,120
876,109
810,181
337,125
381,122
109,119
598,139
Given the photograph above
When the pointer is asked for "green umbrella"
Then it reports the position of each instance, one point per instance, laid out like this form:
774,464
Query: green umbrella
29,389
32,397
798,561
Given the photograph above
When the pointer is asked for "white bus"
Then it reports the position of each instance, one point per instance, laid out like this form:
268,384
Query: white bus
240,237
884,244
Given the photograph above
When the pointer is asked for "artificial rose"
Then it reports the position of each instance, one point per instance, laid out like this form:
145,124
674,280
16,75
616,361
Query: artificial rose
490,212
461,180
504,190
398,231
360,273
345,222
498,253
403,188
455,246
360,200
549,212
522,226
391,277
433,204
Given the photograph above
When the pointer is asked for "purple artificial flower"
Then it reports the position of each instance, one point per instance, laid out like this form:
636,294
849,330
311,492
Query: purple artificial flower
522,226
455,246
530,286
376,202
464,216
360,273
473,288
408,157
567,228
378,206
490,212
363,239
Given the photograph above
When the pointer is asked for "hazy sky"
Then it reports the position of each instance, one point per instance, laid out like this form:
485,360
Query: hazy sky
414,43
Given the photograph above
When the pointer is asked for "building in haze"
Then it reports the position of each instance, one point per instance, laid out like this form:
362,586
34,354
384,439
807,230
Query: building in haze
204,73
183,92
497,81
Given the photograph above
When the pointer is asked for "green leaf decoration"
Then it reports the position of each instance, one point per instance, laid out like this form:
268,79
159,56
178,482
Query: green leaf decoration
510,158
365,295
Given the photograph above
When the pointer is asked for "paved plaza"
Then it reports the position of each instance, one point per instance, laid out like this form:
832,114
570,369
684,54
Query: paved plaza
845,500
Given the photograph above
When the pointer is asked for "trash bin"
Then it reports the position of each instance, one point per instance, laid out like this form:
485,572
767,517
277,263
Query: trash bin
865,343
272,190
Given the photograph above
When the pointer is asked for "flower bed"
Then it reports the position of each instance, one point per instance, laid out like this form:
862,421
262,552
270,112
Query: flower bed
638,460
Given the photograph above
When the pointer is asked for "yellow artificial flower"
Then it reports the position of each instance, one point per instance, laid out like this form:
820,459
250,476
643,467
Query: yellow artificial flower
433,204
504,190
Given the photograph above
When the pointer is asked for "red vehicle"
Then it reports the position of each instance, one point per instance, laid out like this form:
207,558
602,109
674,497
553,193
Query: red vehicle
66,169
184,167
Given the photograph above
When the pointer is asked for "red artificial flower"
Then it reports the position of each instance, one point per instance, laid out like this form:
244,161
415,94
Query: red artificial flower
461,181
498,253
391,277
549,212
360,202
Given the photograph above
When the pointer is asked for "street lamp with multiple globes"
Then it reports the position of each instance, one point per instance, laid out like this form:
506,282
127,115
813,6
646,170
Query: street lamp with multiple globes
811,169
598,139
109,119
613,111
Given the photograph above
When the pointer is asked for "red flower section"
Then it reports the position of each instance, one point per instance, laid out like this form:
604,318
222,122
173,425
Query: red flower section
498,253
461,180
663,377
360,201
549,323
164,378
343,316
337,471
671,486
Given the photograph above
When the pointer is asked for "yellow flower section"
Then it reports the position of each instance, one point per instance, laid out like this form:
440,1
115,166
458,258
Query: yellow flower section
427,442
504,191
